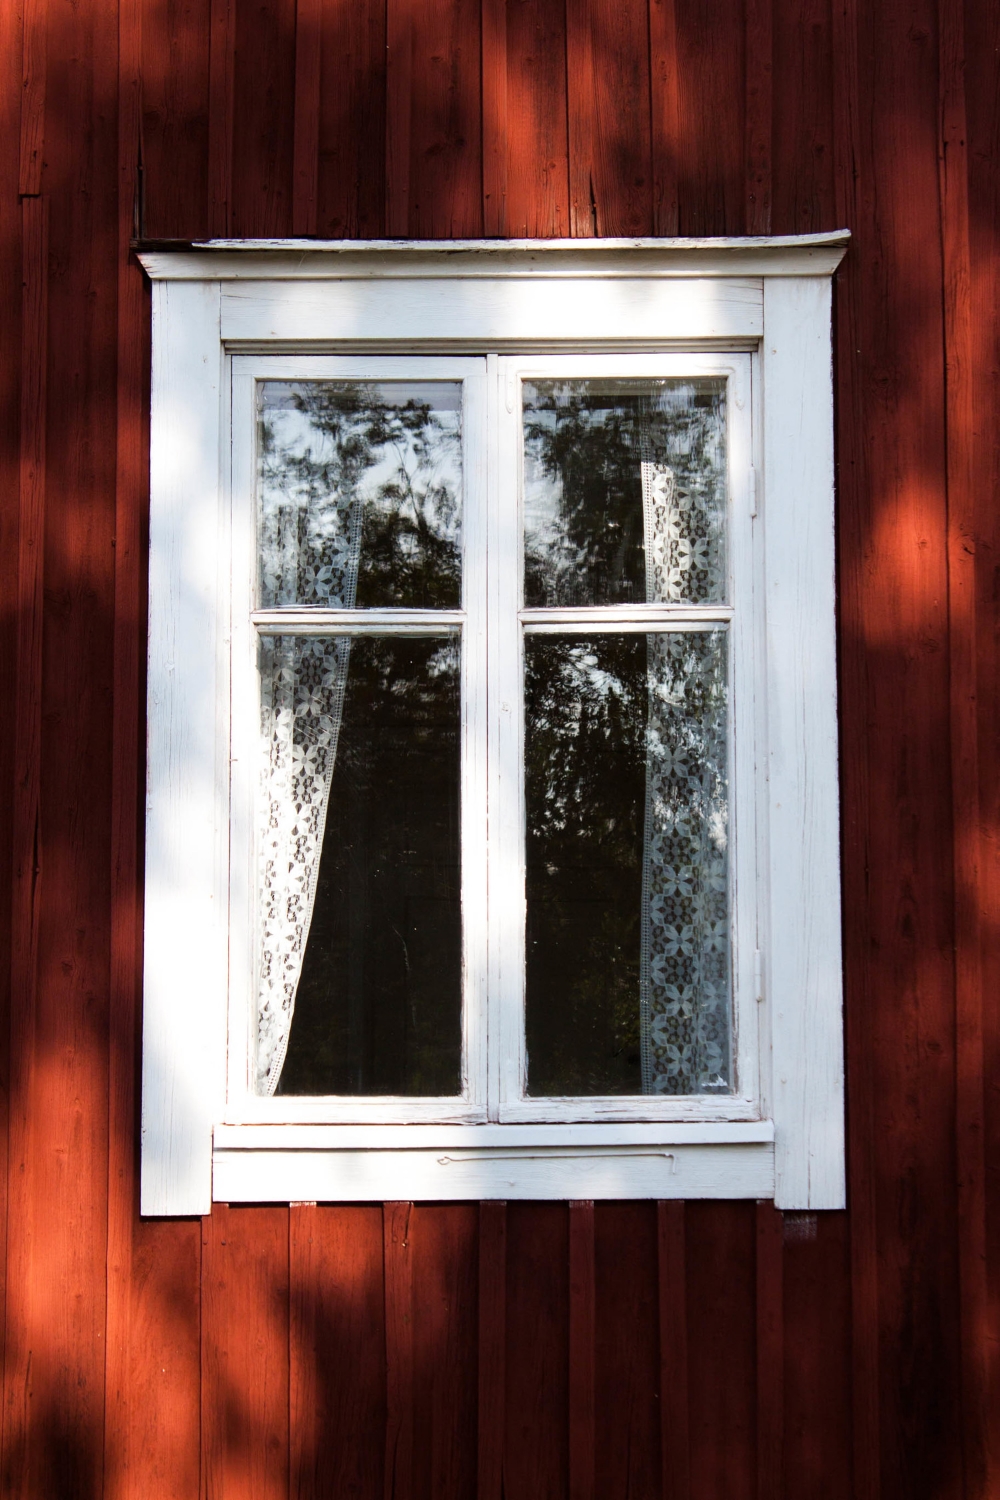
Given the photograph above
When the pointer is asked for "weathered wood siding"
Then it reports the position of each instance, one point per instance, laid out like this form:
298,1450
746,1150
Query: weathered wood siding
706,1352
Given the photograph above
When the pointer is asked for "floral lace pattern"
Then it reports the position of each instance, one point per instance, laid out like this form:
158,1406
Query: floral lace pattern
684,959
309,554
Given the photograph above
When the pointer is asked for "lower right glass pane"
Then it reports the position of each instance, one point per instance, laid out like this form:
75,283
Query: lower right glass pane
628,974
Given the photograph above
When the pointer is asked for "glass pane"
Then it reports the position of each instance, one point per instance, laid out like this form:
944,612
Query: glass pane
628,985
360,494
361,938
624,492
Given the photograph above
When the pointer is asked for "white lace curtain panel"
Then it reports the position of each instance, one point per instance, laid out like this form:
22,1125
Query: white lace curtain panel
312,554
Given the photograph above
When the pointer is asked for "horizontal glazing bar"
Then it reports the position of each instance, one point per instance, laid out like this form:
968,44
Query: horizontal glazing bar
626,625
603,617
422,622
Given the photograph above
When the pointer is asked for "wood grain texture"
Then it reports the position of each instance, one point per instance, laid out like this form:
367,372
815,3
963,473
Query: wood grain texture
244,1352
711,68
398,1261
759,115
627,1393
125,1338
444,1238
610,149
434,128
306,94
492,1348
979,1469
582,1330
671,1268
667,140
352,120
770,1303
525,164
34,37
536,1459
337,1393
183,51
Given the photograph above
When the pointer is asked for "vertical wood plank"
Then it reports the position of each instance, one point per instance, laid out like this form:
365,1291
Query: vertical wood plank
352,128
525,127
221,85
803,156
711,44
492,1347
770,1351
961,436
176,68
399,108
675,1442
244,1350
26,847
398,1350
34,32
581,1351
122,1382
337,1352
495,118
263,118
306,95
667,140
537,1402
434,175
759,67
816,1452
721,1349
852,172
626,1351
607,52
584,220
444,1238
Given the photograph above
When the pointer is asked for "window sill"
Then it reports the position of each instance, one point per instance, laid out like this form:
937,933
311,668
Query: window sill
293,1163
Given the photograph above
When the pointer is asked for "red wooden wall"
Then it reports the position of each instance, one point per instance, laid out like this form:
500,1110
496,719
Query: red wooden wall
627,1350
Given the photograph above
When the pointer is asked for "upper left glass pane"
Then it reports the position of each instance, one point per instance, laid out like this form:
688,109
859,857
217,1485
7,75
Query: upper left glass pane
359,494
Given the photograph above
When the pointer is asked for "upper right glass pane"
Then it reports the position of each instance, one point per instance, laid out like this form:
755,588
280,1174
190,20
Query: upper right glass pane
624,492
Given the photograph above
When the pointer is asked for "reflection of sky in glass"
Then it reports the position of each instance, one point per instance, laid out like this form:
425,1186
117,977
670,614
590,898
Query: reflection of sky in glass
395,447
592,451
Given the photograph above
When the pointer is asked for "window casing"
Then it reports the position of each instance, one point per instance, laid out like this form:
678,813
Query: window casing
233,322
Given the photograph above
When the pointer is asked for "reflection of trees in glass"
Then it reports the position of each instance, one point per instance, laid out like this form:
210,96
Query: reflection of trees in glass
379,1002
326,444
584,444
585,755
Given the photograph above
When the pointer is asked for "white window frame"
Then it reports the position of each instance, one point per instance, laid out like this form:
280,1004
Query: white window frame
228,313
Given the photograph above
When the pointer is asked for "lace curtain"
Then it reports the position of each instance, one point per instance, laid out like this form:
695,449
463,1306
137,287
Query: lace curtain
684,956
311,555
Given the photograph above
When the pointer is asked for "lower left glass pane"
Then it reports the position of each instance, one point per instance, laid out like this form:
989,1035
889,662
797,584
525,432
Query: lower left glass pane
359,876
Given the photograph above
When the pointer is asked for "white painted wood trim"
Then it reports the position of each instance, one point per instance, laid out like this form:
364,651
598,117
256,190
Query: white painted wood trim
778,255
803,973
481,310
659,1171
184,1023
478,1137
592,293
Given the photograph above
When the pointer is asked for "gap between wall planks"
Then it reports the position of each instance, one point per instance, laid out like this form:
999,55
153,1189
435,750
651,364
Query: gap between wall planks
675,1438
978,1378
